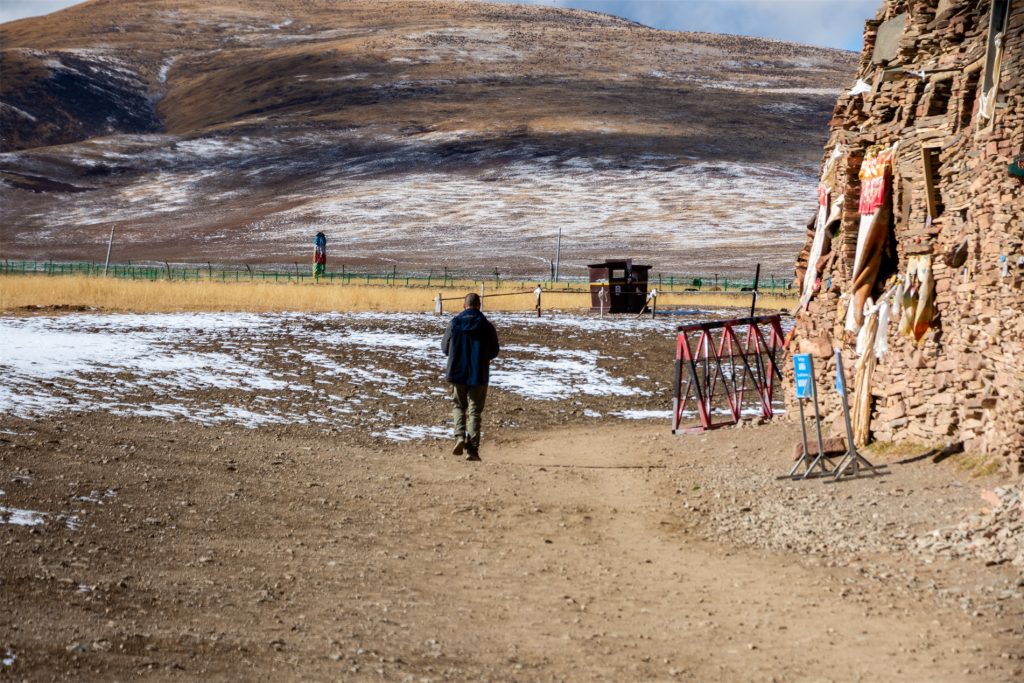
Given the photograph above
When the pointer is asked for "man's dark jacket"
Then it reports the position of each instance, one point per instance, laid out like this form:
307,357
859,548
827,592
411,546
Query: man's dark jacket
471,343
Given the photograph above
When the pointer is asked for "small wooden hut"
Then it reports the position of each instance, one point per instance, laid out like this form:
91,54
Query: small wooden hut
624,285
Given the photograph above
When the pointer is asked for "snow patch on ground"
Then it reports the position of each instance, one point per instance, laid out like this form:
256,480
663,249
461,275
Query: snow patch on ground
416,433
21,517
786,108
97,496
643,414
212,368
557,375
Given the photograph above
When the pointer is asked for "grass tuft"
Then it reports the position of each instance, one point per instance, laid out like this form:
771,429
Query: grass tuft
19,292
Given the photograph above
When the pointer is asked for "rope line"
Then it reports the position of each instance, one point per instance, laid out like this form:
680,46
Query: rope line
488,296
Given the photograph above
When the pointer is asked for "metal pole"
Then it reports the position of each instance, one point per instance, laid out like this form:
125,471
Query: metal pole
558,253
110,245
817,426
803,434
846,405
851,463
753,298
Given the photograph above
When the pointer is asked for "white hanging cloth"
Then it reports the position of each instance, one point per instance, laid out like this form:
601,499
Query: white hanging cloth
860,87
823,218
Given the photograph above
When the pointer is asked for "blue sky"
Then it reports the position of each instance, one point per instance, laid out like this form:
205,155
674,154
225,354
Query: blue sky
829,23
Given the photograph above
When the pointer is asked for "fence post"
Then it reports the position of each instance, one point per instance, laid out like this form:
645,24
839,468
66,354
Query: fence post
110,245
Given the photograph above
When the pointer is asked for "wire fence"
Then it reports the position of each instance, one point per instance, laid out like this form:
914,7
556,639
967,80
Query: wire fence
437,278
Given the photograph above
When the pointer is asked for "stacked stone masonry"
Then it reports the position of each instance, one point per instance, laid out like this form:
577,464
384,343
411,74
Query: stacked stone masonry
954,200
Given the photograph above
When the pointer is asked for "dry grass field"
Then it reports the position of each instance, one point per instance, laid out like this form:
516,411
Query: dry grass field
20,292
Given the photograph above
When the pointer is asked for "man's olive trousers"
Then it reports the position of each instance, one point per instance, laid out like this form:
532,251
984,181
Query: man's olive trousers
467,407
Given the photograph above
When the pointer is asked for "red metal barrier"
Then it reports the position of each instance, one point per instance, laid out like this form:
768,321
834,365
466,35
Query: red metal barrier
721,363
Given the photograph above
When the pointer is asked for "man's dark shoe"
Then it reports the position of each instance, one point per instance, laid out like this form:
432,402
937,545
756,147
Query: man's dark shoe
472,455
459,446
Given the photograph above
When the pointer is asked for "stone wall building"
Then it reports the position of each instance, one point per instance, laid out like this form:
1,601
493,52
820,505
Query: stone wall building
917,247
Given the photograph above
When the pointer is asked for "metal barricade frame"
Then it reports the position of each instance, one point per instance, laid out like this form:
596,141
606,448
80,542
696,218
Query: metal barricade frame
752,359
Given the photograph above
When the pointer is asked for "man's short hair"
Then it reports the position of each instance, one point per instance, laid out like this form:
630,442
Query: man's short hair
472,300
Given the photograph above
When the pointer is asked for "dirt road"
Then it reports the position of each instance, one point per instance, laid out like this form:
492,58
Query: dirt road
172,551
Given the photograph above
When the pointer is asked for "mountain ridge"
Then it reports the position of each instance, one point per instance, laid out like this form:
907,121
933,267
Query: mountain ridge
459,89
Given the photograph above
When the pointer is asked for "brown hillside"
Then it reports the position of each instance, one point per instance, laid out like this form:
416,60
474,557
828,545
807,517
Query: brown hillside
299,93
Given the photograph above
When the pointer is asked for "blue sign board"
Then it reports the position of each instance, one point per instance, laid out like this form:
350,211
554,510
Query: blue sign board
802,374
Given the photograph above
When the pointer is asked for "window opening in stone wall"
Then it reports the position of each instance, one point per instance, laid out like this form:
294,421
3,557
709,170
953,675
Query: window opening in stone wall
942,91
993,57
932,178
969,98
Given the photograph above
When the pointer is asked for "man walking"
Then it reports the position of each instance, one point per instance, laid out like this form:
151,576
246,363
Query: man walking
471,343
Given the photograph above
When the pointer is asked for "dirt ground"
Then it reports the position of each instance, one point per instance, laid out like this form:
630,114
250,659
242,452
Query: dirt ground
574,553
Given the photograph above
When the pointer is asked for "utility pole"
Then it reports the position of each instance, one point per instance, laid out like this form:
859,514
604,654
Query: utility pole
110,245
558,253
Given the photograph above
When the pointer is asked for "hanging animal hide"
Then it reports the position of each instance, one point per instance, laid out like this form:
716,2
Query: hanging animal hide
875,212
864,371
924,312
918,300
